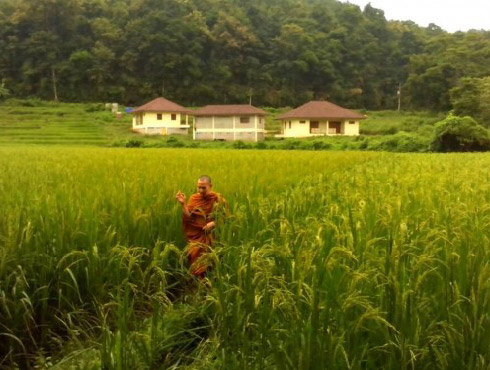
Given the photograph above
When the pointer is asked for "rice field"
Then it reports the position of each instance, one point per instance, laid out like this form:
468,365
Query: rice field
331,260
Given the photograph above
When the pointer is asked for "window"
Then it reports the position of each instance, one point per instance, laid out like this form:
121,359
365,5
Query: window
174,116
244,119
159,116
289,124
352,122
315,127
302,121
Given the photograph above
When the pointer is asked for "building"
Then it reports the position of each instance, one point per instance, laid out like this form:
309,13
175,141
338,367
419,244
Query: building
161,117
320,118
229,122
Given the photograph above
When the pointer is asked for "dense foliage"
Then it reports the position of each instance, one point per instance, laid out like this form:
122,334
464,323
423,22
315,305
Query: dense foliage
460,134
282,52
472,98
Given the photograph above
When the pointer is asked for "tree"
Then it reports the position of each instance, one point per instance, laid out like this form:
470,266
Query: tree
472,97
210,51
4,92
460,134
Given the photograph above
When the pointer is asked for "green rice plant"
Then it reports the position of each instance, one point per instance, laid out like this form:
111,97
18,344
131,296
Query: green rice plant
329,260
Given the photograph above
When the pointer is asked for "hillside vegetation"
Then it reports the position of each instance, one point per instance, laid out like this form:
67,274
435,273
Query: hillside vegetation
197,52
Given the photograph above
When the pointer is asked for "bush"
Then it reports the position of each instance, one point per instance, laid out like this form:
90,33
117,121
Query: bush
320,145
460,134
261,145
31,103
239,144
173,142
118,143
105,117
400,142
364,144
134,143
306,145
291,144
96,107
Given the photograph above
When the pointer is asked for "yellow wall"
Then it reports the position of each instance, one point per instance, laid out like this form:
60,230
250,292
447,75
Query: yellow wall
150,120
351,129
303,129
297,129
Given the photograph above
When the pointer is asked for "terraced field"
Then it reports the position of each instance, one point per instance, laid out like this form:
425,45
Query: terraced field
64,124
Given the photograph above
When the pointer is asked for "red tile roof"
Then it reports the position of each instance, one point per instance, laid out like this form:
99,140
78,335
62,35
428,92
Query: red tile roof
161,105
229,110
321,110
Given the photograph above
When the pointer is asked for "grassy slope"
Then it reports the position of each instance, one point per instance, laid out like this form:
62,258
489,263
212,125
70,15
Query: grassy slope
59,124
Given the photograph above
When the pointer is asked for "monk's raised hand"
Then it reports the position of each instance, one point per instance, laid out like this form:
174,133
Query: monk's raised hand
180,197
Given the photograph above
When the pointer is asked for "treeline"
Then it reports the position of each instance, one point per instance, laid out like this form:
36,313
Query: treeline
280,52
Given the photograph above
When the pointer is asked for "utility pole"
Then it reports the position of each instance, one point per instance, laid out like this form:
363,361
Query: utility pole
399,93
250,96
53,78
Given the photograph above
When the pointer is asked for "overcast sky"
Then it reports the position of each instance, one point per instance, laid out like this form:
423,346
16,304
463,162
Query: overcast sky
451,15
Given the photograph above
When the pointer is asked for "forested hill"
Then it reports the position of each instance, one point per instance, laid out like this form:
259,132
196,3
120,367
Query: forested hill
283,52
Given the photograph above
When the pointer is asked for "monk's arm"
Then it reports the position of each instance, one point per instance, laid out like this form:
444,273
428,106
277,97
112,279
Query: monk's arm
185,210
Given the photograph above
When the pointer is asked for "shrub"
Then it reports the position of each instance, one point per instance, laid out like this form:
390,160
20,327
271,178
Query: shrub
261,145
305,145
364,144
291,144
31,103
134,143
174,142
318,145
105,117
400,142
239,144
118,143
96,107
460,134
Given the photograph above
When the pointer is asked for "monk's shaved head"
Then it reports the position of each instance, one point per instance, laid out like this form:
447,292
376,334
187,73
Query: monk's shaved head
204,185
205,178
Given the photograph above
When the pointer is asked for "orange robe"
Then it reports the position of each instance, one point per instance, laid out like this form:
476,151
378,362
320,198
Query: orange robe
201,212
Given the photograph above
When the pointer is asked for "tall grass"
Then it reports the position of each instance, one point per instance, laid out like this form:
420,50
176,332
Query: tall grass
330,260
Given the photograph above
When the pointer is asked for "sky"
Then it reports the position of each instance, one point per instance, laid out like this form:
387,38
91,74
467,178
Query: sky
450,15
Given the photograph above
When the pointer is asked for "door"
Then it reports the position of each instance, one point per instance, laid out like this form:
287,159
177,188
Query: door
314,127
334,126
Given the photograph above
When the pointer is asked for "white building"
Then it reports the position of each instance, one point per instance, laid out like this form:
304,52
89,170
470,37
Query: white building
229,122
320,118
161,117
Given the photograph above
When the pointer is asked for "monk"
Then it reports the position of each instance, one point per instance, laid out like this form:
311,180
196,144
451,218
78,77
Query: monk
198,219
